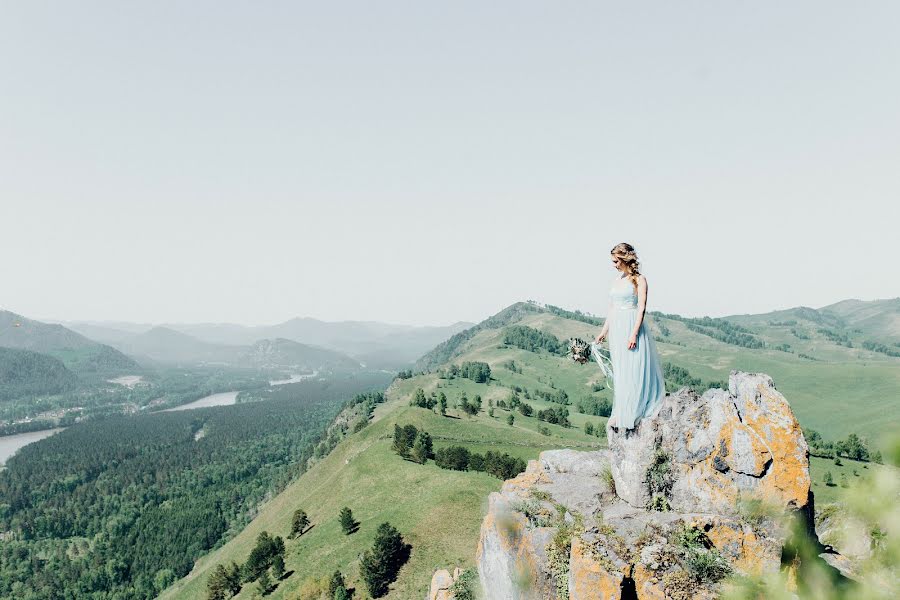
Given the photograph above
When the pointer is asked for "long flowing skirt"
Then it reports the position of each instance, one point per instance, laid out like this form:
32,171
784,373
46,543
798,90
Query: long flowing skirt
638,381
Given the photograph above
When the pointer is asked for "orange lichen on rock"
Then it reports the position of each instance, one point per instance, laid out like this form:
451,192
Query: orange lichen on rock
747,552
588,579
647,584
787,480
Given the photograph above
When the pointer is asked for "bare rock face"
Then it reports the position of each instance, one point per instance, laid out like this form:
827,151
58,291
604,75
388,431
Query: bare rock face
441,582
720,445
661,513
511,556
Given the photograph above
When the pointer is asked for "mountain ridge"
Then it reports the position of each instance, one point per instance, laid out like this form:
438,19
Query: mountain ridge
442,518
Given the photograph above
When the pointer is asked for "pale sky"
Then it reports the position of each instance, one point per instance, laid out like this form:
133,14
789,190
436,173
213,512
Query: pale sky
429,162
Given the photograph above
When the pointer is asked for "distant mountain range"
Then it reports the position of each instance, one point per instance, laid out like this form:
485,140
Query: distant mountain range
378,345
85,357
875,318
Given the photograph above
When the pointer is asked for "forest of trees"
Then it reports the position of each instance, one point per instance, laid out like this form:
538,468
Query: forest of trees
678,377
415,444
533,340
881,348
122,506
718,329
479,372
598,407
852,446
460,458
575,315
30,374
841,339
166,388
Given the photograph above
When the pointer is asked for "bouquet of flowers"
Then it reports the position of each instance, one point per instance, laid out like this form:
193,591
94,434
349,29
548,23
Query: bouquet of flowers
581,352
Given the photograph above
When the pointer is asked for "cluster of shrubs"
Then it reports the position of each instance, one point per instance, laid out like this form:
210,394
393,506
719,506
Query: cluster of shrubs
575,315
412,443
556,396
678,377
477,371
598,407
533,340
433,400
557,415
718,329
460,458
853,447
841,339
266,561
879,347
591,429
416,445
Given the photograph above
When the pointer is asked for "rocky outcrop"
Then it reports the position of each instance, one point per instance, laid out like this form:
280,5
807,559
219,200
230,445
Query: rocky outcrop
718,446
441,582
690,495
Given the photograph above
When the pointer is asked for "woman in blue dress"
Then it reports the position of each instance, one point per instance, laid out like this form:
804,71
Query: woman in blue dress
638,385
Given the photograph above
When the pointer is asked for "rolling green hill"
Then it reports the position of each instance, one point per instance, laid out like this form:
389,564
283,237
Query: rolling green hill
84,357
439,511
27,373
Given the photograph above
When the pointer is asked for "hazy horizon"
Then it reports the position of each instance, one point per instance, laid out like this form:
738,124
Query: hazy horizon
408,163
111,323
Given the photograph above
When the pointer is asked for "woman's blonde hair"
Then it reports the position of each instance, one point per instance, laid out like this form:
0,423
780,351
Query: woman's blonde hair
626,254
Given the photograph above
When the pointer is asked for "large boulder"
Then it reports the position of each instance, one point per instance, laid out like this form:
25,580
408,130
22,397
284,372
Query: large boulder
719,446
661,513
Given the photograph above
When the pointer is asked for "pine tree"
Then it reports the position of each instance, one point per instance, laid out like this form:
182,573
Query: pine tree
589,428
378,566
348,524
233,578
442,403
342,594
419,399
829,480
337,582
278,566
299,522
399,445
217,584
422,449
510,419
264,583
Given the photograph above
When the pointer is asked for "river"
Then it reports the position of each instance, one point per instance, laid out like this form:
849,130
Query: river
10,444
221,399
294,378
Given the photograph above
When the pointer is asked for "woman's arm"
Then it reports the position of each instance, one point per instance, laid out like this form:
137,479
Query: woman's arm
641,307
605,330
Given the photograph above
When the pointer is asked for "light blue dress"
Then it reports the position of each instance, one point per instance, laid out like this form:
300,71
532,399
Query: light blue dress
638,384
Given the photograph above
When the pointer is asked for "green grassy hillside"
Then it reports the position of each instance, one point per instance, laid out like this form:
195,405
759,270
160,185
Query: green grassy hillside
439,511
26,373
85,357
